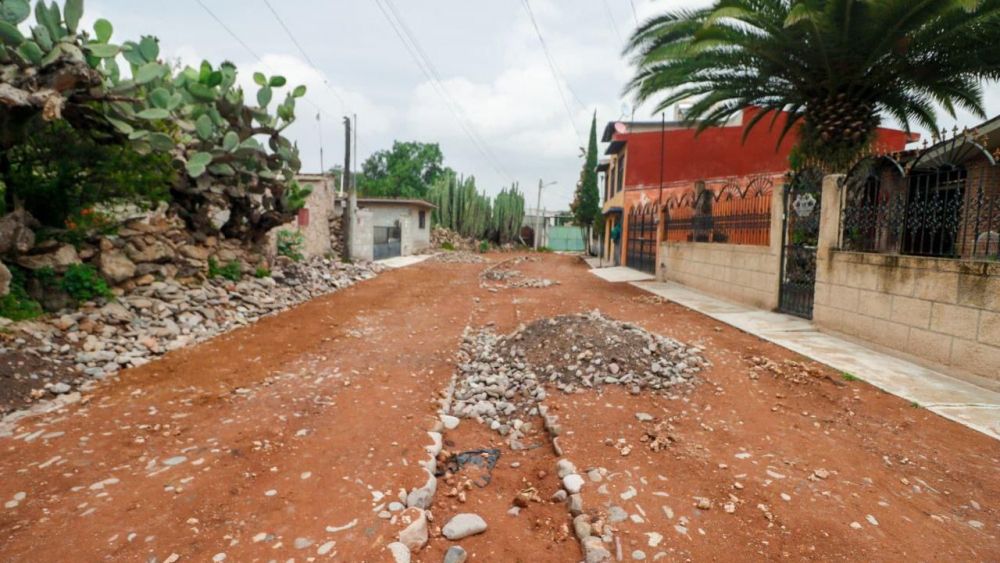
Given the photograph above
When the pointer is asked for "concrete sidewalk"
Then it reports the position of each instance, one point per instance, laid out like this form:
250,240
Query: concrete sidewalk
403,261
956,400
617,274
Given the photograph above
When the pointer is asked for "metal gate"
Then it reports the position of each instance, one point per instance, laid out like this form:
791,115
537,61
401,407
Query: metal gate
800,237
640,250
388,242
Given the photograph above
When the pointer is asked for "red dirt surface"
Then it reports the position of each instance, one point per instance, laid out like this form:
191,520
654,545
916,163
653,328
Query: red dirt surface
295,427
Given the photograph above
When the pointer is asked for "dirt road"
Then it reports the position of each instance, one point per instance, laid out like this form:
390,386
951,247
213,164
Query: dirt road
286,440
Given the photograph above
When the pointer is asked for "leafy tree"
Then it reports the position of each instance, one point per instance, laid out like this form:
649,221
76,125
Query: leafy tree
837,66
407,170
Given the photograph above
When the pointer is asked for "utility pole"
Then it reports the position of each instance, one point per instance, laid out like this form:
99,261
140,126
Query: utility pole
538,218
352,195
322,166
355,120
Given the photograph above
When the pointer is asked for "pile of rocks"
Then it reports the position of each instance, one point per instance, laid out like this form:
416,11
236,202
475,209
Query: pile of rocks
98,339
459,257
442,237
501,379
504,276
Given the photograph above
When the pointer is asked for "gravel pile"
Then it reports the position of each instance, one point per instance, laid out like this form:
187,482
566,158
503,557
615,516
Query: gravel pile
502,378
504,276
459,257
100,339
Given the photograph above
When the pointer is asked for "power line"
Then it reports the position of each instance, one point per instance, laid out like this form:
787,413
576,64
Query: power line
555,72
252,52
635,14
613,22
425,65
439,83
305,55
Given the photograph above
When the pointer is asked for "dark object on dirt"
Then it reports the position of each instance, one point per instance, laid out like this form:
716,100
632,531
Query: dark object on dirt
483,460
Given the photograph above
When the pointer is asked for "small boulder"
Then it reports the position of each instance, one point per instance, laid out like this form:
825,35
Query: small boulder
115,266
59,259
16,235
572,483
414,535
400,553
455,554
5,277
463,526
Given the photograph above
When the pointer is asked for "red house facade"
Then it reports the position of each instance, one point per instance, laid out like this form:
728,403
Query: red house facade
651,163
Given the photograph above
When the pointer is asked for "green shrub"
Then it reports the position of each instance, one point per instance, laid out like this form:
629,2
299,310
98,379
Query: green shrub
261,272
447,246
231,271
59,173
83,283
290,244
484,247
16,305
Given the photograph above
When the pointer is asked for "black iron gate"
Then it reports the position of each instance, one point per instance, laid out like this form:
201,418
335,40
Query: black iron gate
800,237
387,242
641,244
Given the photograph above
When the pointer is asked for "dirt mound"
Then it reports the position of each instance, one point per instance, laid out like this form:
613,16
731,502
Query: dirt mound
502,379
591,350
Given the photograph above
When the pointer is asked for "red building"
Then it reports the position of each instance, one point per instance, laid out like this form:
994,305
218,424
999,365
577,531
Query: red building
650,162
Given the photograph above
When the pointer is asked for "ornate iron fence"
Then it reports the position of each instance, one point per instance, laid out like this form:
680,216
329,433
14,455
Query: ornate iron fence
640,251
942,205
731,214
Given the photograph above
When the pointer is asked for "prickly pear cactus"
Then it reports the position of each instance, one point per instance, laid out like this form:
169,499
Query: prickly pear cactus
55,70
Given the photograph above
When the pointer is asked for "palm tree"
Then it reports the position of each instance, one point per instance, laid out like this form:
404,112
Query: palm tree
836,66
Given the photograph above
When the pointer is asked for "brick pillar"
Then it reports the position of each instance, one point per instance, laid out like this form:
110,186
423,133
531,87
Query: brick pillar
829,219
829,238
777,226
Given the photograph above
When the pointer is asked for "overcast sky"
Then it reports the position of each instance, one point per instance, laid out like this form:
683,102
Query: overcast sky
486,54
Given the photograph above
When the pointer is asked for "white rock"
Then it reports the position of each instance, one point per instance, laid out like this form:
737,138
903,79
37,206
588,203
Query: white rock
464,525
414,536
572,483
400,553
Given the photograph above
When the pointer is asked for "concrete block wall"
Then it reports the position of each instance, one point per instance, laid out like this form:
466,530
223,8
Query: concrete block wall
363,247
740,273
945,311
940,310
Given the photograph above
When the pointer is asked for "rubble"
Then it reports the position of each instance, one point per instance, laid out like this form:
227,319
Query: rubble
502,379
459,257
101,338
503,276
442,237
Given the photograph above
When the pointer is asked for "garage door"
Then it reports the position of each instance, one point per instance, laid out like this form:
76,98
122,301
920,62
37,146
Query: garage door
388,242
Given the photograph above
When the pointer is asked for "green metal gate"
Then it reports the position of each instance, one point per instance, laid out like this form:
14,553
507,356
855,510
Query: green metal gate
567,239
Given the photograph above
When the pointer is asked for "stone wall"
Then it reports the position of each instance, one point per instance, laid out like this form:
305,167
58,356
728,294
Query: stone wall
746,274
938,310
314,219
